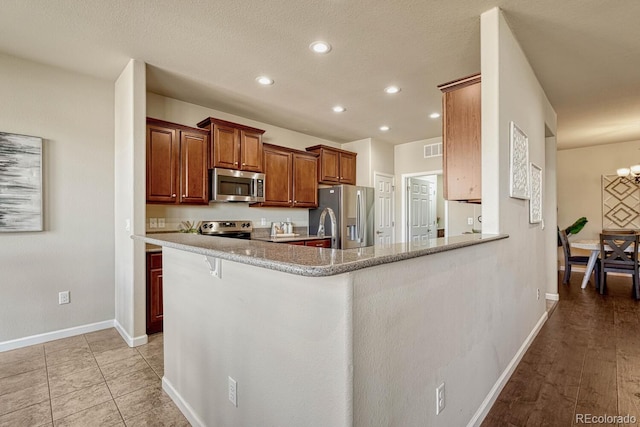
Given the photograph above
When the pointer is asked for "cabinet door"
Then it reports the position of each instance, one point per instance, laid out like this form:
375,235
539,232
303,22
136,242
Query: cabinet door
305,183
462,169
162,164
323,243
347,168
193,166
154,293
277,182
329,166
226,147
250,151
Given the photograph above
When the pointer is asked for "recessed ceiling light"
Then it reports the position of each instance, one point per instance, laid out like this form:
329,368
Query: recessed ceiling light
384,128
339,109
320,47
392,89
434,115
264,80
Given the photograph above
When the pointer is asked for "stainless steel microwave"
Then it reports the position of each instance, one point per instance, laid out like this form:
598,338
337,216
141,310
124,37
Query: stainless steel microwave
229,185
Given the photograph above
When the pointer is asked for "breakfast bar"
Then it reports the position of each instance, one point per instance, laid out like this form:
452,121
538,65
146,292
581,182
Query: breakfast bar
318,336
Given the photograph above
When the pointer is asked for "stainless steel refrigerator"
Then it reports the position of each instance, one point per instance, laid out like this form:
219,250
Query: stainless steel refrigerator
353,208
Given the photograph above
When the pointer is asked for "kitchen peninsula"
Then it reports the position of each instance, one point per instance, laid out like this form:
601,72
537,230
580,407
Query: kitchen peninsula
337,347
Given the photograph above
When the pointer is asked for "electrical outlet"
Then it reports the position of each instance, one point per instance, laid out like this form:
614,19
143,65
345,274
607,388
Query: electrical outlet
470,221
160,222
233,392
153,222
439,398
63,297
538,293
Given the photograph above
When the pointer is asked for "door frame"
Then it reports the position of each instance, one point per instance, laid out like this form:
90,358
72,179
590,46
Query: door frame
393,201
404,200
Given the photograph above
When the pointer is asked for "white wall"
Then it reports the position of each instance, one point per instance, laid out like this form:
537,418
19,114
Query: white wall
580,173
73,114
511,92
373,156
363,160
176,111
458,214
130,169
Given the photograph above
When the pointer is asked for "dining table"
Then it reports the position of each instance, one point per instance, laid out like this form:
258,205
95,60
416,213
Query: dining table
594,247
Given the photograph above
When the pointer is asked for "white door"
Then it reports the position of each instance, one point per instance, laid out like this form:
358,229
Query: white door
419,207
384,209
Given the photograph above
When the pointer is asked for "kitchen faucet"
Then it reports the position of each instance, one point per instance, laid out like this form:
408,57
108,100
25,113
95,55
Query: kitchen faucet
332,217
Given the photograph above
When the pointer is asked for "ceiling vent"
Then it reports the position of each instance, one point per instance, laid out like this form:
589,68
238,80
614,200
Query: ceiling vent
433,150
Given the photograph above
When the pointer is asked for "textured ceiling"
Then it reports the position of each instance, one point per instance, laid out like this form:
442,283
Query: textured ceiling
585,53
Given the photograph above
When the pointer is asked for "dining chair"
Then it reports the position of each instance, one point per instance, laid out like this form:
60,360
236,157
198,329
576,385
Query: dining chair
570,260
619,231
617,255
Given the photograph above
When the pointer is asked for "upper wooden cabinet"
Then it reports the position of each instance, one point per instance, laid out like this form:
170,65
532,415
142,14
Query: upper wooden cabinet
461,139
176,163
290,178
234,146
336,166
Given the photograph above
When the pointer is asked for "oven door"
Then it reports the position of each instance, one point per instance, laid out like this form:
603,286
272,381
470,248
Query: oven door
236,186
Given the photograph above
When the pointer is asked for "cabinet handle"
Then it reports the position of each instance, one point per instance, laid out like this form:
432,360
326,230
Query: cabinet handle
235,163
244,164
173,195
184,195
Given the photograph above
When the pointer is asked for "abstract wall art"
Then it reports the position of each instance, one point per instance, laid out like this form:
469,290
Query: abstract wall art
620,203
20,183
519,163
535,202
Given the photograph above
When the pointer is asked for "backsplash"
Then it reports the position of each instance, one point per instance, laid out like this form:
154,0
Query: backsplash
261,217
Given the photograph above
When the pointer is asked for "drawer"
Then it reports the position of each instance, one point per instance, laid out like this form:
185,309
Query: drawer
323,243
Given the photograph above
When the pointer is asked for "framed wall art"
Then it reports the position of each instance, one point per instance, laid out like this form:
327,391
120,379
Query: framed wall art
535,202
620,203
20,183
519,163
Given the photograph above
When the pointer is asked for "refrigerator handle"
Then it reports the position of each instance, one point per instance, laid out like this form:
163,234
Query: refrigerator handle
359,209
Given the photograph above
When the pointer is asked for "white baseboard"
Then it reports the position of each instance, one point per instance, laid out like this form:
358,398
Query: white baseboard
131,341
488,402
55,335
184,407
552,297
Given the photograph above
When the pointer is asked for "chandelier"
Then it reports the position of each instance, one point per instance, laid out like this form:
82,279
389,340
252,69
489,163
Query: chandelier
632,173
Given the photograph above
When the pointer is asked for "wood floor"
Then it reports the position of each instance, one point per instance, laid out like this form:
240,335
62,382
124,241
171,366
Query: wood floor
584,363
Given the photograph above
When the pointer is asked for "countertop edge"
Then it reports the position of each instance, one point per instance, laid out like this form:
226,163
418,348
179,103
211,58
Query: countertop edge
319,270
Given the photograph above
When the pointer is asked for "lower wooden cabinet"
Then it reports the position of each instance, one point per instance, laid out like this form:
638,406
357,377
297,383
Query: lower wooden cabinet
318,243
154,292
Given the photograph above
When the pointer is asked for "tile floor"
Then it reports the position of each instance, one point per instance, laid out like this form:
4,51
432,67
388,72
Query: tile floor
93,379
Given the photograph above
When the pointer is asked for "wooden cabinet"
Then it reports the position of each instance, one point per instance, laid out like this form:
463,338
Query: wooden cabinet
154,292
176,163
320,243
336,166
290,178
305,184
234,146
317,243
461,139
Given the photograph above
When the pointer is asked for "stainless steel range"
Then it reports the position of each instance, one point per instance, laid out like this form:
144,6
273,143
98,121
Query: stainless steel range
234,229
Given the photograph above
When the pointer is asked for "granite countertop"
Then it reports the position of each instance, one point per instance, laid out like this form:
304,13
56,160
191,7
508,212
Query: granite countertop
310,261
